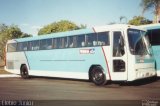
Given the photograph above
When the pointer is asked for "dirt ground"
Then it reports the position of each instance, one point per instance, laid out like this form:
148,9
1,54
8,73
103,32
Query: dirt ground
2,71
2,63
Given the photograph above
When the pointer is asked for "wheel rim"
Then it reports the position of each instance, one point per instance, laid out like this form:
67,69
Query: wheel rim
24,72
98,77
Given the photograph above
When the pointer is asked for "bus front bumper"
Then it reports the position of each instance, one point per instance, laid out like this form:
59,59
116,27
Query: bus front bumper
145,73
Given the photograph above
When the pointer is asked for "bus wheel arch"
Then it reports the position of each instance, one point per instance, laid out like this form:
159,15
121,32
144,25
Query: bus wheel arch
97,75
24,71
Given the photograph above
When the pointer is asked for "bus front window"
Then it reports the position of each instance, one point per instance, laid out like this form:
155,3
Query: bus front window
138,43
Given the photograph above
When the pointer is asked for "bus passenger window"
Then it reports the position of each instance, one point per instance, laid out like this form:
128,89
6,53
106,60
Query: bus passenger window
154,36
65,42
91,39
54,43
22,46
29,46
25,46
62,42
103,38
71,42
34,45
49,44
95,43
11,47
59,43
81,41
43,44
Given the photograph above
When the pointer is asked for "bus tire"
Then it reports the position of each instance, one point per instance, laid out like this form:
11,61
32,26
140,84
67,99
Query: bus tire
97,76
24,72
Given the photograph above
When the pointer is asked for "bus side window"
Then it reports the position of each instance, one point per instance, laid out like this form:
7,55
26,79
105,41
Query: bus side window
19,47
29,45
49,44
12,47
54,43
72,41
43,44
62,43
34,45
103,38
58,43
25,46
22,46
91,39
154,36
65,42
81,41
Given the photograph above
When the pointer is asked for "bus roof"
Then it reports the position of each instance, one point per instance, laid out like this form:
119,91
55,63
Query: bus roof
74,32
151,26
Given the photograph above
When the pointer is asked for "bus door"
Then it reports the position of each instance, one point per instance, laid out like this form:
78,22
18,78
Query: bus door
119,56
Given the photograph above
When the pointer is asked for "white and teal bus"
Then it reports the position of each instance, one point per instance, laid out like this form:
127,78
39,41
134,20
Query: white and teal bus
153,32
99,54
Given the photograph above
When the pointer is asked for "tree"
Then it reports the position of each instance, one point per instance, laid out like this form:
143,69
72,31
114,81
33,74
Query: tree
61,26
139,20
7,33
152,4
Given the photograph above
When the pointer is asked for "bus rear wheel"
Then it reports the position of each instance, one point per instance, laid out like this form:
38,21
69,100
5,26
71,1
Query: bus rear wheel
24,72
97,76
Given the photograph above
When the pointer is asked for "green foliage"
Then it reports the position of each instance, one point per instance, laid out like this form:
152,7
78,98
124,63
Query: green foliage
151,5
24,35
138,20
7,33
61,26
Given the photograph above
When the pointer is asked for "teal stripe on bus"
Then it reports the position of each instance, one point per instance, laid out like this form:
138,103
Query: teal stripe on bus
152,27
156,52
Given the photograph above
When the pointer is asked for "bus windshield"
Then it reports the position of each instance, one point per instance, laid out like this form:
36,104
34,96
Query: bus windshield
138,42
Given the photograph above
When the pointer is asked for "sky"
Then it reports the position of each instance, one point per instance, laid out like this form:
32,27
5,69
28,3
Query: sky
31,15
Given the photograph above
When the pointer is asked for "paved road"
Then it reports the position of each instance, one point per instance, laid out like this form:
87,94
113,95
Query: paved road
62,89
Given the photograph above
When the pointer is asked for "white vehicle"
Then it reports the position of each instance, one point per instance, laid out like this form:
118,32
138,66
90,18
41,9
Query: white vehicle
99,54
153,33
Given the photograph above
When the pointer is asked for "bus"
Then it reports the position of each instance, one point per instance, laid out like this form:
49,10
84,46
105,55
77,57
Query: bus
153,32
99,54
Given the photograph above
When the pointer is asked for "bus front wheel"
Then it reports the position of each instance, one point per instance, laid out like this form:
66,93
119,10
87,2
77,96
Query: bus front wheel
24,72
97,76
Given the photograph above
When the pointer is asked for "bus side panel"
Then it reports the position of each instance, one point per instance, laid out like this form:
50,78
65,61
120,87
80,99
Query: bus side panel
156,50
14,60
68,63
